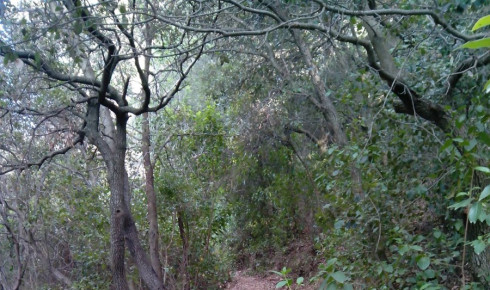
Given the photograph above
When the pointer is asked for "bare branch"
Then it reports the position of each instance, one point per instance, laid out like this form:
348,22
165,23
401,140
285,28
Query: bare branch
45,158
466,65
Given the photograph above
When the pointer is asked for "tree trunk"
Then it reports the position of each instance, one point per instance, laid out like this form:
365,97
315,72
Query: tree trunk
479,264
123,228
151,200
149,177
324,103
185,249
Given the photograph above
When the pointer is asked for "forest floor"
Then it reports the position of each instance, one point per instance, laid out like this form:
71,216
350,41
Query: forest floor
299,256
243,281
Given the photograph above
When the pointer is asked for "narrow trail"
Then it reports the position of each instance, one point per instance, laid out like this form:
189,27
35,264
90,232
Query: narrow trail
242,281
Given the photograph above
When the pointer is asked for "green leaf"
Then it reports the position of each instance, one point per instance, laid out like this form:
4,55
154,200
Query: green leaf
339,276
339,224
348,287
476,213
423,262
388,268
461,204
300,280
437,234
403,250
331,262
472,143
486,87
78,27
277,273
479,246
462,194
416,248
485,193
483,136
281,284
9,57
482,22
122,9
430,274
37,59
482,169
324,284
480,43
446,144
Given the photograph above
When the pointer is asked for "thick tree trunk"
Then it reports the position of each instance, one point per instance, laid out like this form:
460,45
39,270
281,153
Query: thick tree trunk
116,179
123,228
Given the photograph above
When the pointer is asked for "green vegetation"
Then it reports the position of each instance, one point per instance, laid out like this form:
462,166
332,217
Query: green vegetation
169,144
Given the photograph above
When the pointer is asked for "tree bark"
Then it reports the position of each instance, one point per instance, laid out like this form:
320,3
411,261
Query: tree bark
153,238
151,200
327,108
479,264
122,227
322,101
185,249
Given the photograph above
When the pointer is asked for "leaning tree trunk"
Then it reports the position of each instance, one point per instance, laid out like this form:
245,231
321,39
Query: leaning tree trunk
153,238
325,105
151,200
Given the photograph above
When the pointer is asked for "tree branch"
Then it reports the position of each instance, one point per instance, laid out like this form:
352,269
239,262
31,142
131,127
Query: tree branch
417,12
45,158
466,65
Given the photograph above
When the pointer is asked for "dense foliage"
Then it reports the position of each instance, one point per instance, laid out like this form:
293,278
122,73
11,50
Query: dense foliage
335,144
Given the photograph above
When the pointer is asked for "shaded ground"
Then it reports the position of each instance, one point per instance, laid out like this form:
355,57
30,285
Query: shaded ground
299,256
243,281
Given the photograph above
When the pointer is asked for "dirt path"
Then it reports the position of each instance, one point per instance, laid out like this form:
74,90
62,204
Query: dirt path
242,281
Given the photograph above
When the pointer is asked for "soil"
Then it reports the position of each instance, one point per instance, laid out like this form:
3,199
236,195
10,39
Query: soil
243,281
299,256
